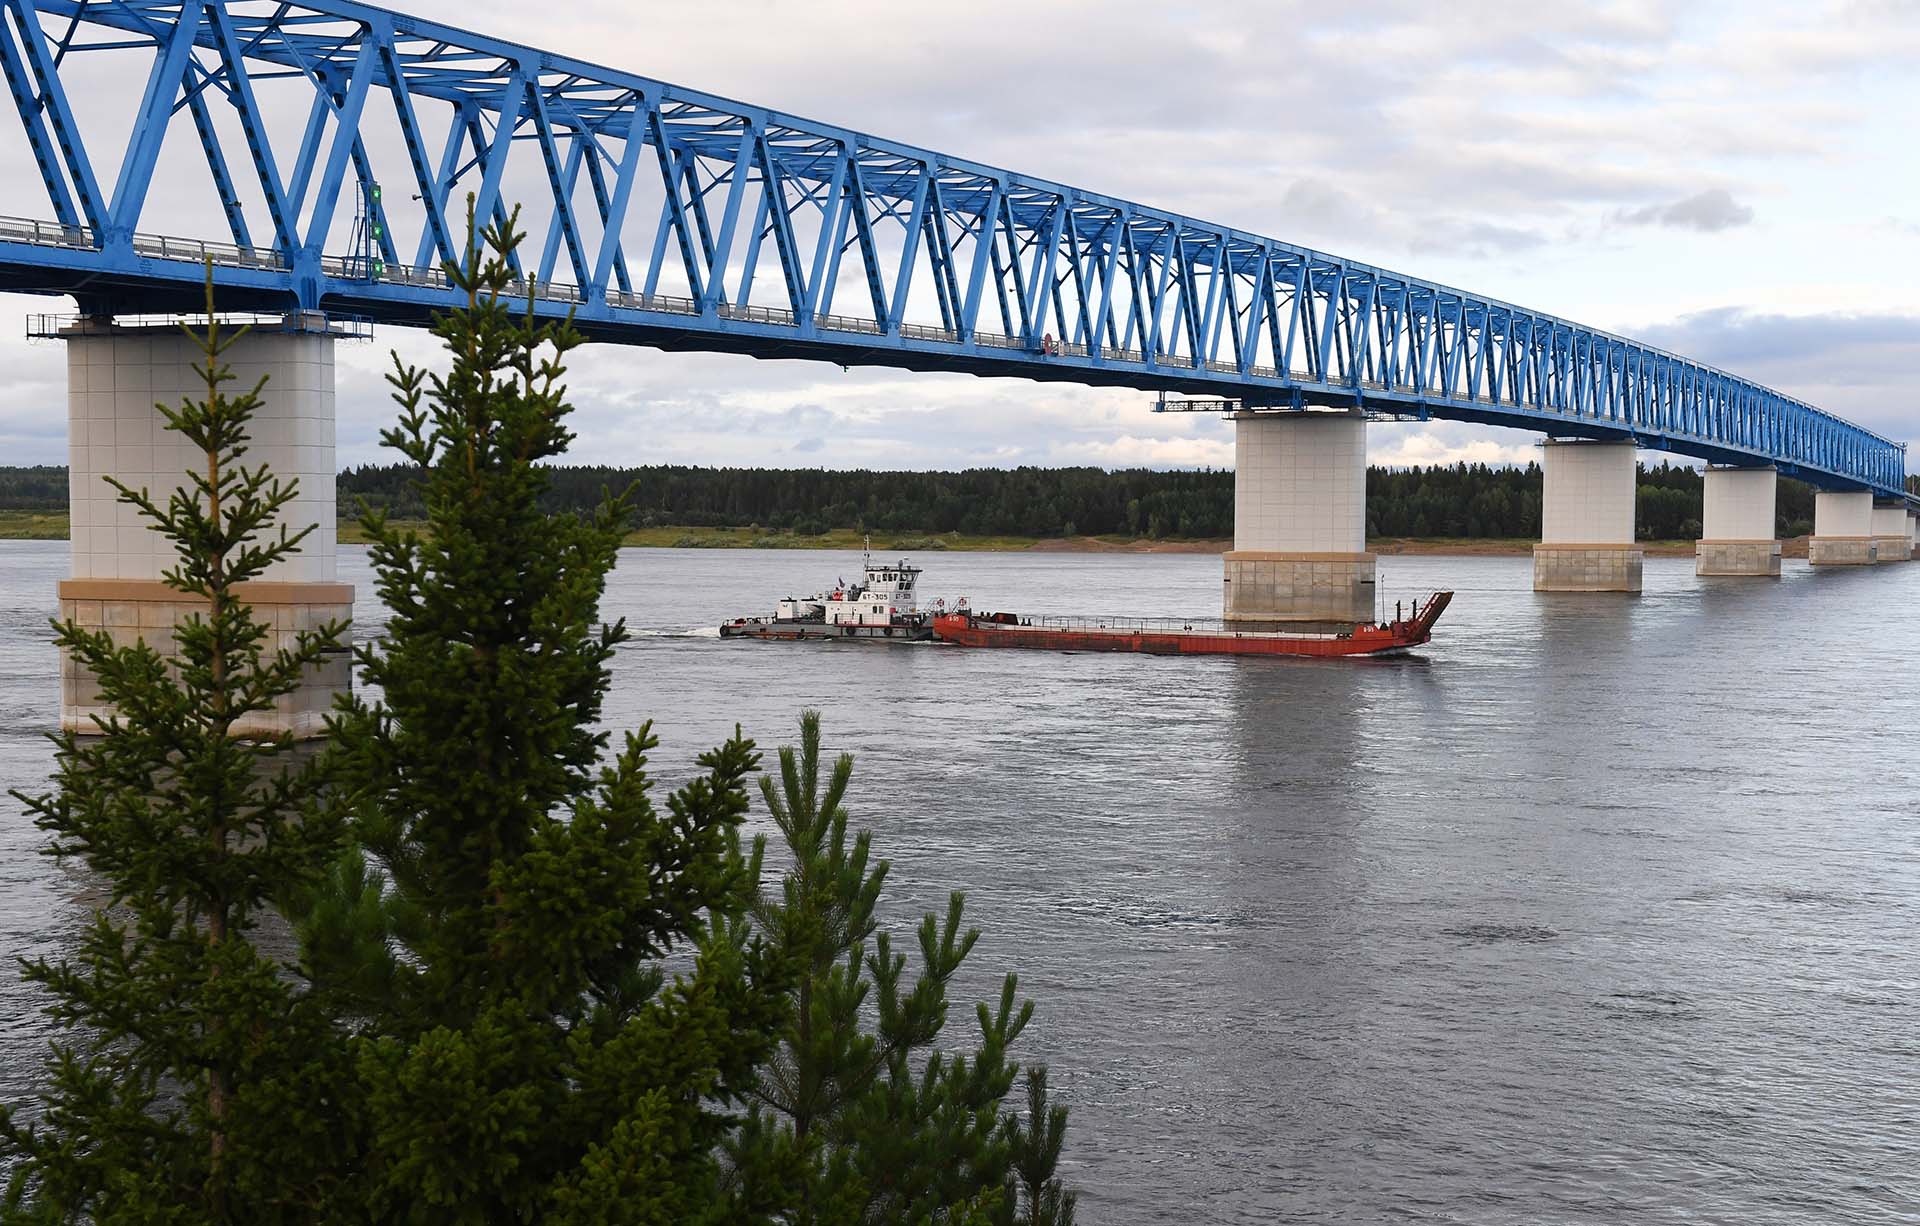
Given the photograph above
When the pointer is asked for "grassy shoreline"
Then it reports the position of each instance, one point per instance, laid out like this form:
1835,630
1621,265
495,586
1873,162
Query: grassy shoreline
52,526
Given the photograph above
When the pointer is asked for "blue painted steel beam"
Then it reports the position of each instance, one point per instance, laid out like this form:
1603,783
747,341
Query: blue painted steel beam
1138,297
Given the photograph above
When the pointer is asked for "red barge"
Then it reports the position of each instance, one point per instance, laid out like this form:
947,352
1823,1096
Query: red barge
1188,637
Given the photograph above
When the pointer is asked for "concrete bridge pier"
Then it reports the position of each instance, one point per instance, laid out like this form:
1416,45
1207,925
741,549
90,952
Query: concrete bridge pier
1586,519
1891,542
1842,529
1738,523
1299,520
115,374
1913,535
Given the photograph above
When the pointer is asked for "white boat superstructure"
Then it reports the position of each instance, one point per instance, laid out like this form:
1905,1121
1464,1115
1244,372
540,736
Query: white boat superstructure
883,603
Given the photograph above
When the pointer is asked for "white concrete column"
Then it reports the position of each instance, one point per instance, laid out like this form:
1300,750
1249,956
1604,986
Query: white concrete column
1586,519
1913,534
1299,520
115,376
1890,543
1737,518
1842,528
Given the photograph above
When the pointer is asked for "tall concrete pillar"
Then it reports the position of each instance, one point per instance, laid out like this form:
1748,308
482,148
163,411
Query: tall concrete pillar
1842,528
1913,534
1737,518
115,375
1586,519
1890,541
1299,520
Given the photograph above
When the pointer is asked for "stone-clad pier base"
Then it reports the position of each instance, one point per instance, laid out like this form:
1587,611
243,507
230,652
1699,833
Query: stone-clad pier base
1842,529
1737,516
115,375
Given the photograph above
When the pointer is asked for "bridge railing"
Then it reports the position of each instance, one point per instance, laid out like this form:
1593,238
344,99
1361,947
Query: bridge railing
55,326
45,233
199,251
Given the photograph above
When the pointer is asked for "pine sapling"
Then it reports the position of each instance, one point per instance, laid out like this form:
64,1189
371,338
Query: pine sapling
884,1120
195,1081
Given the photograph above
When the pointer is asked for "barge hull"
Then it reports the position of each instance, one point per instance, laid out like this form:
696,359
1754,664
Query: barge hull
817,632
1395,638
1174,644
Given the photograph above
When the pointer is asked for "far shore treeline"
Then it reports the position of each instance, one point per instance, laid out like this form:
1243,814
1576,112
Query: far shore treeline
1466,501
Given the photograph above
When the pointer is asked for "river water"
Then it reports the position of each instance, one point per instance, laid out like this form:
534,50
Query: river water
1601,909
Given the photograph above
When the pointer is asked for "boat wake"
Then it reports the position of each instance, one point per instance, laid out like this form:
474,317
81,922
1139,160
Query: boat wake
696,632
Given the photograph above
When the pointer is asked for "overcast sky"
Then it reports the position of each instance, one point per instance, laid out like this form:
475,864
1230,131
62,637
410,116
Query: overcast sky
1733,181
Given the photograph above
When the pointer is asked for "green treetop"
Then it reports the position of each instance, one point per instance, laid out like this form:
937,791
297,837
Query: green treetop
528,1052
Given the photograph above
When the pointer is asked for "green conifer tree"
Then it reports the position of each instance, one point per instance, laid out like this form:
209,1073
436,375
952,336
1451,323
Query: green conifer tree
196,1082
883,1124
526,1052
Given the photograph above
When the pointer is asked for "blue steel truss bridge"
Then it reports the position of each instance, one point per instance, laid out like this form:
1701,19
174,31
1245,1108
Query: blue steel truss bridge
320,155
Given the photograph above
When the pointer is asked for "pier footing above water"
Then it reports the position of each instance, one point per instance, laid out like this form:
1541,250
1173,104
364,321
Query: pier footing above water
1299,521
1737,514
1586,519
1842,529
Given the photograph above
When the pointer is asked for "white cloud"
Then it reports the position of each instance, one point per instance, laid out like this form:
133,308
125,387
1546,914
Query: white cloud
1132,451
1709,211
1412,447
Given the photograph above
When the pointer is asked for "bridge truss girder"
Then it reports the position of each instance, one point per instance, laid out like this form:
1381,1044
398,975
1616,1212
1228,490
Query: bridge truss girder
665,216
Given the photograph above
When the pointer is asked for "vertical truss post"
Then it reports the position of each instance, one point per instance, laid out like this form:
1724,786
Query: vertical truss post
940,256
310,139
1085,330
346,129
433,235
217,163
240,92
1000,281
29,105
729,222
363,173
909,246
982,250
1115,236
674,213
1035,312
780,214
613,213
759,235
562,192
150,121
53,101
863,235
819,289
513,98
1019,278
435,194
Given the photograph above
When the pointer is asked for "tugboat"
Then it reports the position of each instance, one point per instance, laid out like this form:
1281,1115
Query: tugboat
881,606
1189,636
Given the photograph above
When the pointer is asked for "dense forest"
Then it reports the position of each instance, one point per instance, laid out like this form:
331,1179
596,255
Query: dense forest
1462,500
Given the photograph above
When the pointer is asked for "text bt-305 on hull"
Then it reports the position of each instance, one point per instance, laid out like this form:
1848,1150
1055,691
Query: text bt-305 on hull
880,607
1190,637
